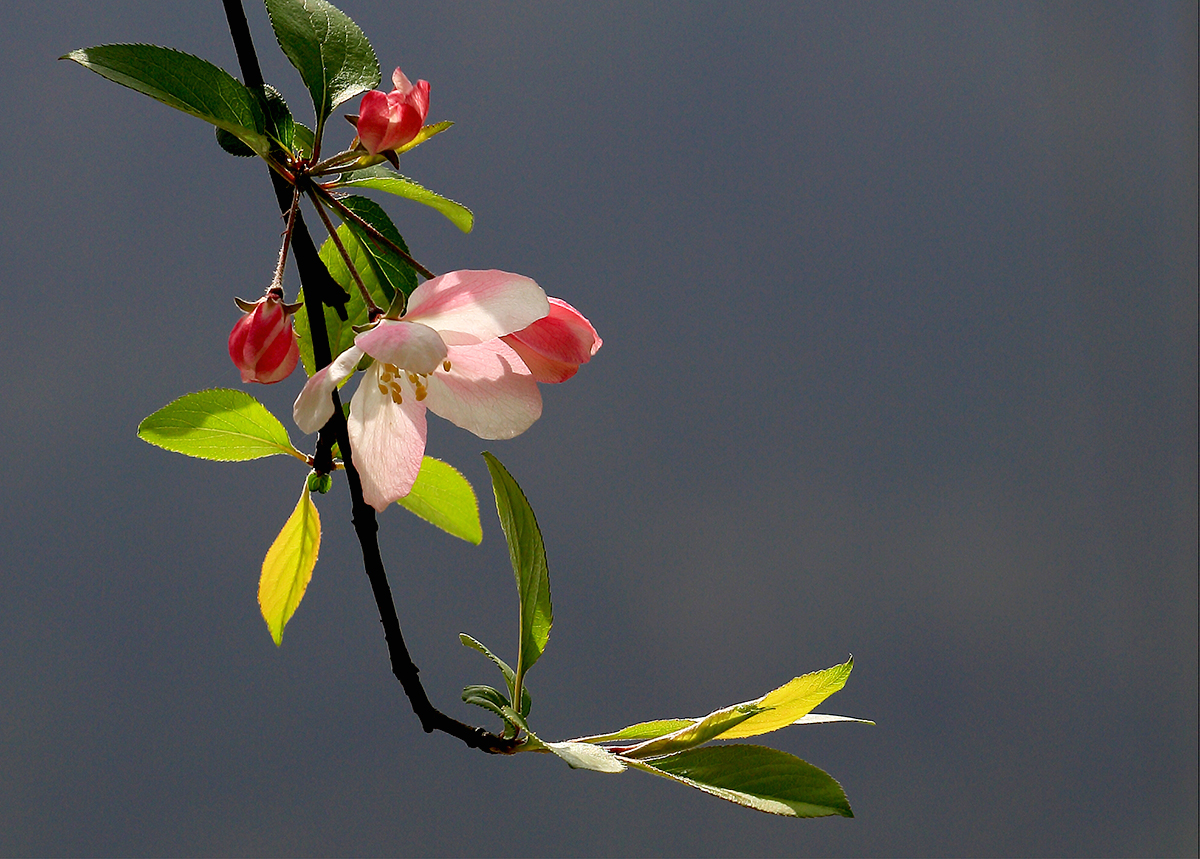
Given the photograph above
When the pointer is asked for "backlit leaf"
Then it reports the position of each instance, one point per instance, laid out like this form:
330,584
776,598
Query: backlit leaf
220,424
792,701
697,733
288,567
383,178
443,497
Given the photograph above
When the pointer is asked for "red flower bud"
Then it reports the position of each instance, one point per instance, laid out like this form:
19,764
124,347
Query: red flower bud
262,344
387,121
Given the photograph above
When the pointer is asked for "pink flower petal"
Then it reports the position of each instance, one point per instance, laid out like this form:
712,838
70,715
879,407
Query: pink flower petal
314,407
468,307
400,81
374,117
488,391
555,345
545,370
410,345
387,439
418,97
405,121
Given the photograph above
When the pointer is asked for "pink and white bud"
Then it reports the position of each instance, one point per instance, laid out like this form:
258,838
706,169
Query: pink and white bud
263,343
554,346
387,121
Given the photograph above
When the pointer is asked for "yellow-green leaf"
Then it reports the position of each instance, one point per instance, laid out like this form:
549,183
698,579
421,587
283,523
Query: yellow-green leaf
288,567
443,497
640,731
716,724
792,701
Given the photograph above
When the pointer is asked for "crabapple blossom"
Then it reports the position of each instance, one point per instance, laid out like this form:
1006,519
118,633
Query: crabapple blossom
387,121
444,354
554,346
263,343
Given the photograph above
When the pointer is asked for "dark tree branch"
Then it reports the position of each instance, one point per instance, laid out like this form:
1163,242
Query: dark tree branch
321,289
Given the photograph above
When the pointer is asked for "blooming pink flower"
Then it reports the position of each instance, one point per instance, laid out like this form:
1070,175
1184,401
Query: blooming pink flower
554,346
389,120
262,343
445,354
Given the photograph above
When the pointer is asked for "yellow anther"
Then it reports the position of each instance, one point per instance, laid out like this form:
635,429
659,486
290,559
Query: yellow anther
422,392
412,377
383,390
446,365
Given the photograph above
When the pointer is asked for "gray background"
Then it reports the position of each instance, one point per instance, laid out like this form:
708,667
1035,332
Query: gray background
899,309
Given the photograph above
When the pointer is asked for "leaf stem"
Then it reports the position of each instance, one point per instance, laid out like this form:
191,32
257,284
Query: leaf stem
317,282
345,212
373,309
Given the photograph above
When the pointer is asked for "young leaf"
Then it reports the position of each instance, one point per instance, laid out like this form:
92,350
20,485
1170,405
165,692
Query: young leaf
792,701
755,776
641,731
426,132
219,424
713,725
509,675
334,58
288,567
494,701
582,756
443,497
185,83
528,556
393,271
383,178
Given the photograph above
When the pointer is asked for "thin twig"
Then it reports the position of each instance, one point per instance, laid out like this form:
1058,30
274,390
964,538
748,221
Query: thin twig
372,307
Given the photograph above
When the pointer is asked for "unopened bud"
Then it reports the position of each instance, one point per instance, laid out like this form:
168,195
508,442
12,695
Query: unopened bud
263,344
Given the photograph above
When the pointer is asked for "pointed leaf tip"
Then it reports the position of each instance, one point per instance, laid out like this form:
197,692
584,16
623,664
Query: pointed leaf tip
443,497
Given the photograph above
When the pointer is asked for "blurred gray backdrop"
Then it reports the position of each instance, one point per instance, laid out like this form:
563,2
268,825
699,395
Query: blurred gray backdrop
899,311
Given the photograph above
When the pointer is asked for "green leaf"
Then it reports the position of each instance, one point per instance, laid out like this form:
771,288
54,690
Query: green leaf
641,731
528,556
509,675
279,125
334,58
383,178
219,424
792,701
713,725
288,567
755,776
185,83
443,497
393,270
494,701
303,140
